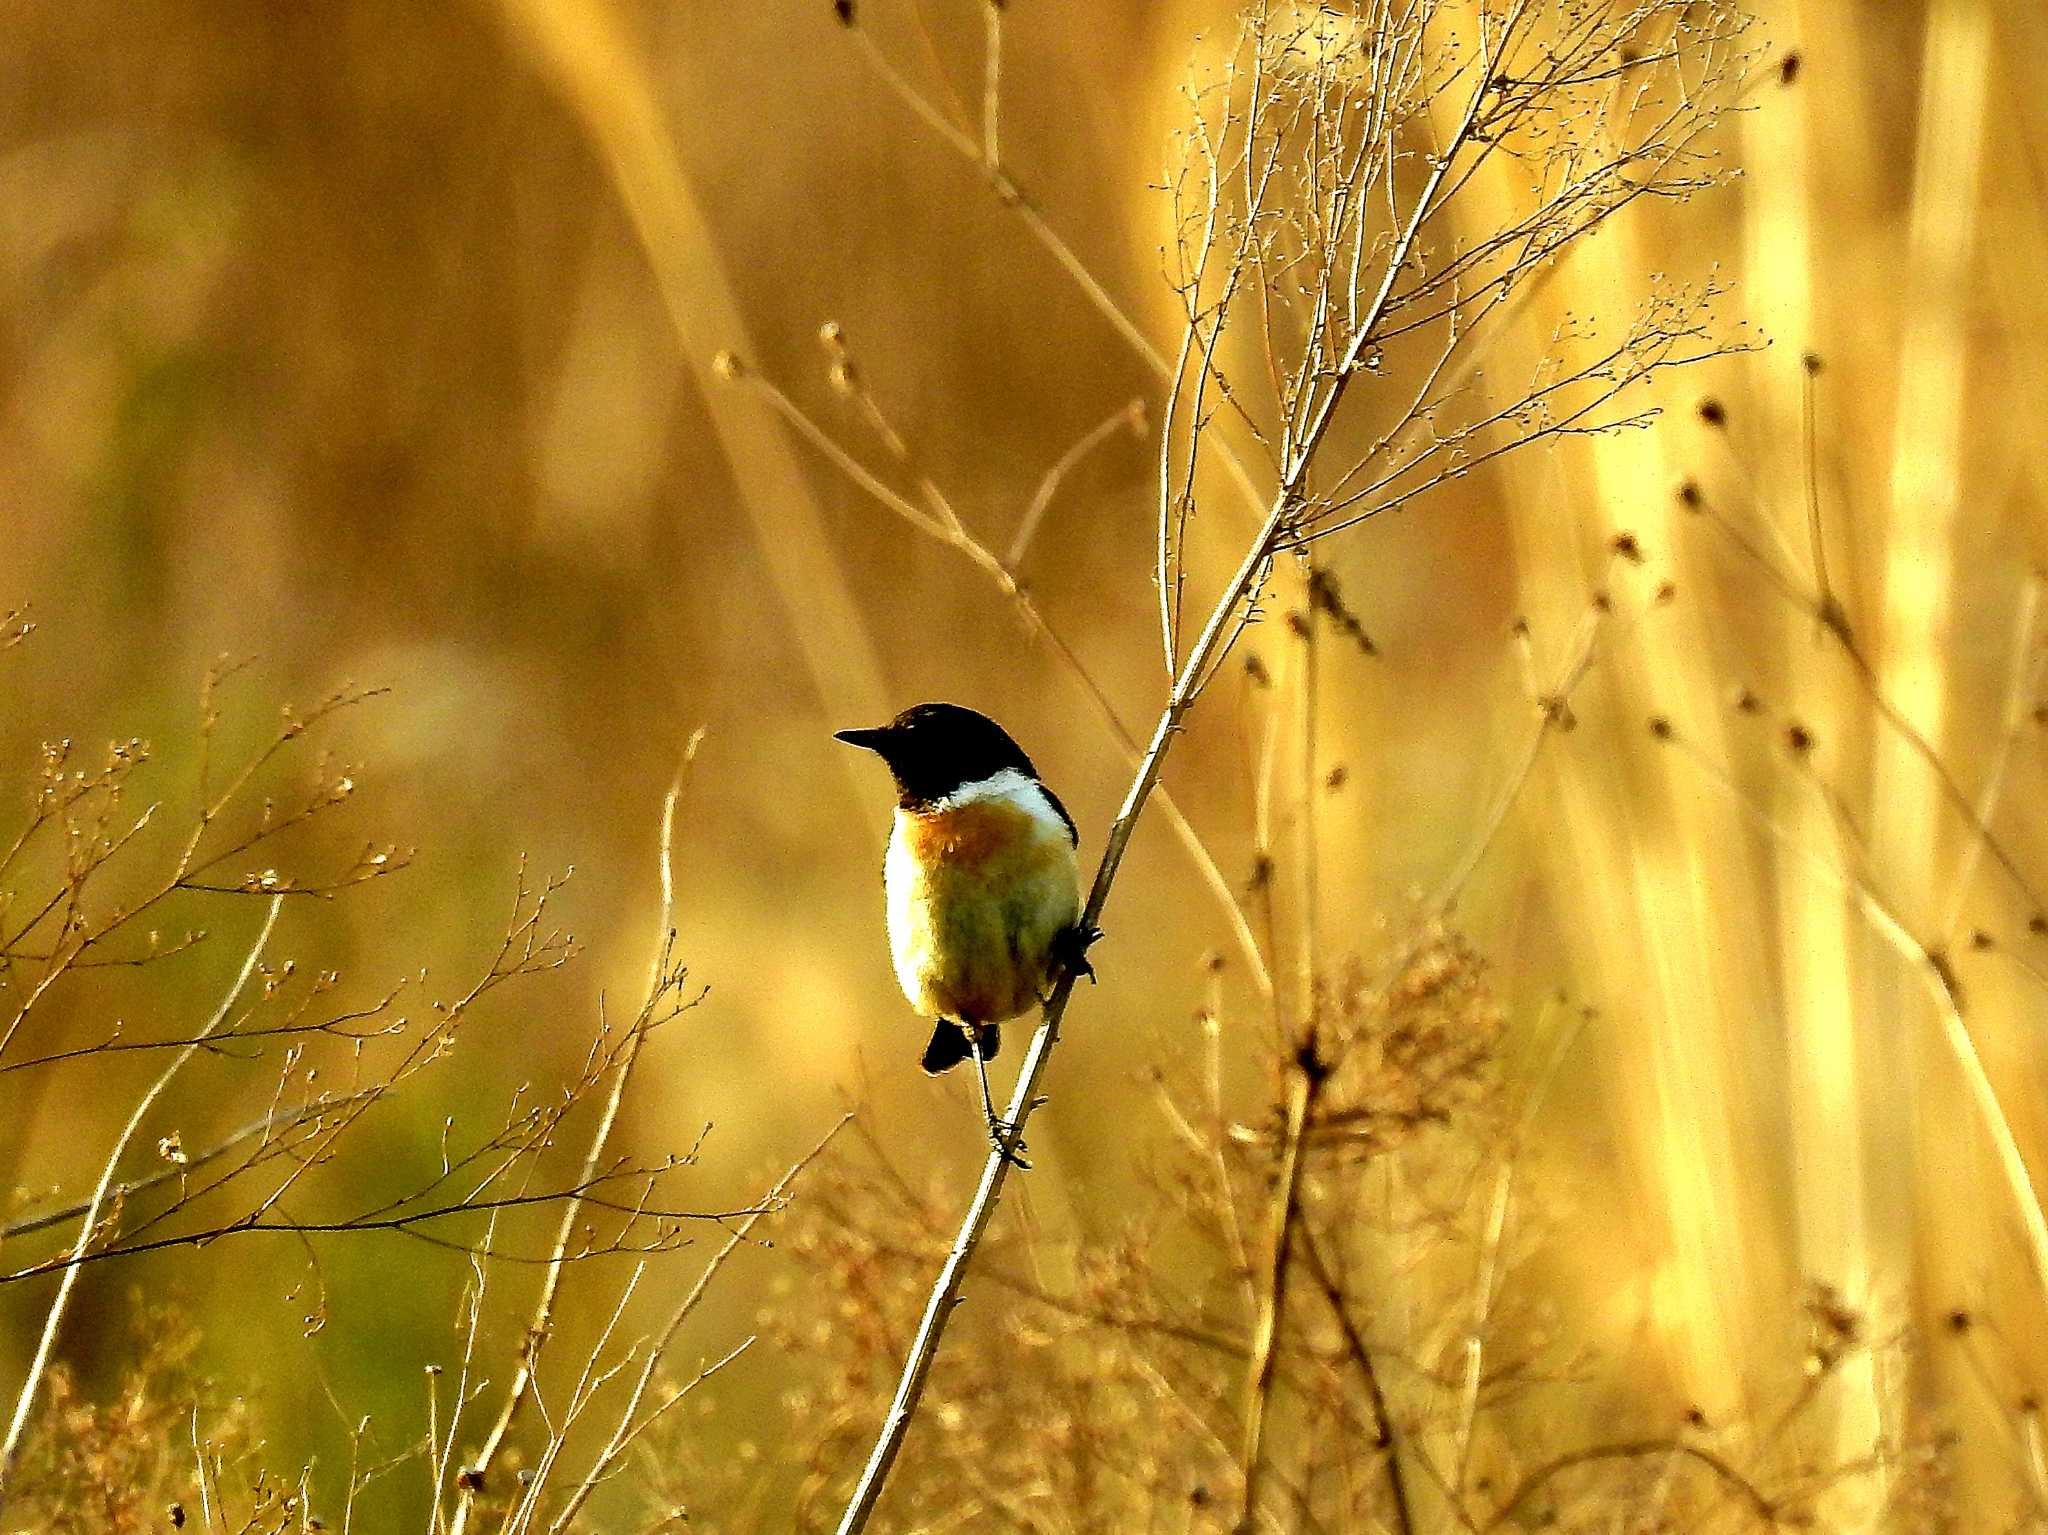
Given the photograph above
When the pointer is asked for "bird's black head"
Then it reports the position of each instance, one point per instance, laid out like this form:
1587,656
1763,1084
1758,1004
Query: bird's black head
935,748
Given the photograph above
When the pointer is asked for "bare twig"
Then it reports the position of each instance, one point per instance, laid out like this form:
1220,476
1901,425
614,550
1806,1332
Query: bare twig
10,1450
1305,1079
632,1423
1765,1510
661,979
1387,1440
1509,86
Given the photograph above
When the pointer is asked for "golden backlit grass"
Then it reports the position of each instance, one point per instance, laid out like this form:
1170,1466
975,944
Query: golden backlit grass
379,343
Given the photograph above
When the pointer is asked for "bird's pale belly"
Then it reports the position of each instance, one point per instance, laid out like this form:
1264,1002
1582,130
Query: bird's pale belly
977,896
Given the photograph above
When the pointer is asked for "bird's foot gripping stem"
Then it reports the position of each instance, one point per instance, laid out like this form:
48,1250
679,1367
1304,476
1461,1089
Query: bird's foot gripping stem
1006,1138
1070,949
1007,1143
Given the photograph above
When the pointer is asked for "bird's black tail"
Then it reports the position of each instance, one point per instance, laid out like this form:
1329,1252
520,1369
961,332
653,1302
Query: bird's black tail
949,1045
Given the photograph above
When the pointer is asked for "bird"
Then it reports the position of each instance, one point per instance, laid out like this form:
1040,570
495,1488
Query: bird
981,886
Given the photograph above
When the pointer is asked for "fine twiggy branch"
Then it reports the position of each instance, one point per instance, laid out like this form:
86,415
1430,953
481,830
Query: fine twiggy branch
659,982
944,524
1935,973
1355,306
1385,1438
632,1423
1226,619
10,1451
1304,1085
1229,614
1641,1449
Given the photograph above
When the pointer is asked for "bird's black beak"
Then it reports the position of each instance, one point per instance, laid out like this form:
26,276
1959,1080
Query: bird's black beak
869,740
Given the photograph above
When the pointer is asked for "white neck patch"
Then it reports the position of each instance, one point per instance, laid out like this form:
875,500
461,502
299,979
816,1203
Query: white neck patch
1012,788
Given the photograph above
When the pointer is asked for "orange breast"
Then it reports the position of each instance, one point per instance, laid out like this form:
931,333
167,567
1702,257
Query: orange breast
969,835
977,894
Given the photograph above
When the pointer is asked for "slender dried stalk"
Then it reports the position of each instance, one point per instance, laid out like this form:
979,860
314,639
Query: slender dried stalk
1229,615
1519,88
1937,977
1304,1086
944,524
585,49
659,982
631,1424
1226,620
10,1451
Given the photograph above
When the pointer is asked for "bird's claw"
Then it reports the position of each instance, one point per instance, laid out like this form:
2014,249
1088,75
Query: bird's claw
1072,946
1008,1144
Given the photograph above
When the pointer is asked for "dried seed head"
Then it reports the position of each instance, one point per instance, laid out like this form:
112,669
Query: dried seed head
1713,412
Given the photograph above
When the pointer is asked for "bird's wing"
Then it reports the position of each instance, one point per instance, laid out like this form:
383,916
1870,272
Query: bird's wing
1060,810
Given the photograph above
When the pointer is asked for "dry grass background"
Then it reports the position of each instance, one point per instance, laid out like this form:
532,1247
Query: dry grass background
376,342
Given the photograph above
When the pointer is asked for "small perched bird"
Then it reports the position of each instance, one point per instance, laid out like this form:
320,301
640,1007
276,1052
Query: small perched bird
984,897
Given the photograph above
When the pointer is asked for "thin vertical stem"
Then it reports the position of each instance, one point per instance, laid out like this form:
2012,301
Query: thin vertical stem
17,1429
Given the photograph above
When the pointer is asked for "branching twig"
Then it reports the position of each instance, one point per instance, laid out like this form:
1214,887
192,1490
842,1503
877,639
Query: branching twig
1512,89
660,980
1305,1080
10,1450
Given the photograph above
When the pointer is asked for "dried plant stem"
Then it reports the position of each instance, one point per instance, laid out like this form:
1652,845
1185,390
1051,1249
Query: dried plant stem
2022,688
1641,1449
631,1424
983,154
1304,1085
1228,617
17,1429
583,47
1937,976
1226,621
947,528
1387,1441
269,1124
572,1209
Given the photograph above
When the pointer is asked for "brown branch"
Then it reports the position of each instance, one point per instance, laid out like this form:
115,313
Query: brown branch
1305,1080
1385,1441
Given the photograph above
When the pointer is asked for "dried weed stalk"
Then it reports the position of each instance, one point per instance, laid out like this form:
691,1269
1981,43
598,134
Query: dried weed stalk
1407,1382
291,1135
1332,315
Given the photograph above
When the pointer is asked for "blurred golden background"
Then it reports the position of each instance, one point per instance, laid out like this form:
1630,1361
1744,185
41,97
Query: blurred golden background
376,342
